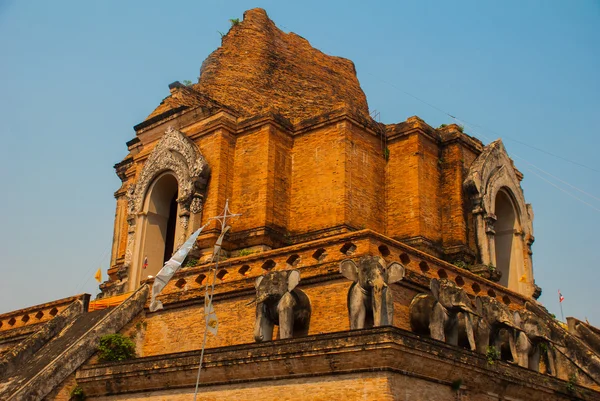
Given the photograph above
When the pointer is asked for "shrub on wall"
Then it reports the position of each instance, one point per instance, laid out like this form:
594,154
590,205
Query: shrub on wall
77,394
116,347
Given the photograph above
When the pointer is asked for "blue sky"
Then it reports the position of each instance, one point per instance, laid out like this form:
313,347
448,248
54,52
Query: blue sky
76,76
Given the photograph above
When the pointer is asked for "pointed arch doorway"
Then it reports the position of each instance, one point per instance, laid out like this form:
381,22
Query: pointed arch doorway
160,223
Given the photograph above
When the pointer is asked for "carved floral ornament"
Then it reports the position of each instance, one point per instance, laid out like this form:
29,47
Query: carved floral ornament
177,153
491,172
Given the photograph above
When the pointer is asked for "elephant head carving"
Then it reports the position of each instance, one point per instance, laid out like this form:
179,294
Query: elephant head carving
495,327
446,314
370,298
534,341
279,302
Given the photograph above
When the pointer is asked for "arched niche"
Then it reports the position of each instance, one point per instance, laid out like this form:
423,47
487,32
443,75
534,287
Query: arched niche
167,194
503,221
159,225
508,245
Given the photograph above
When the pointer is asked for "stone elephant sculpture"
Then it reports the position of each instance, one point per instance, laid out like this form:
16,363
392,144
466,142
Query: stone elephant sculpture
370,299
533,342
495,326
445,314
279,302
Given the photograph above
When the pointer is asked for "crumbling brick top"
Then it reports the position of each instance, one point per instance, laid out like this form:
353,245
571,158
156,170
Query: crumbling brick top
260,68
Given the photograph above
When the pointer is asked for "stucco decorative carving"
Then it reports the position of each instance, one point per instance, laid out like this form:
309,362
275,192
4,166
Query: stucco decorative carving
491,172
176,153
179,154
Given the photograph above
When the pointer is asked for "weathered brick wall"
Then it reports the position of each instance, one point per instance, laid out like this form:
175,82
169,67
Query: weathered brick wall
355,386
318,180
182,329
361,386
250,174
430,200
402,187
279,179
453,210
218,148
365,179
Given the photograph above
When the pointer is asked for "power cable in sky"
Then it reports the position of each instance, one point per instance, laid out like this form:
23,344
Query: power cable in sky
472,129
495,133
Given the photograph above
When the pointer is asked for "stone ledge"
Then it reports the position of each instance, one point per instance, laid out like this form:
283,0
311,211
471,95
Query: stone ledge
372,350
420,268
28,316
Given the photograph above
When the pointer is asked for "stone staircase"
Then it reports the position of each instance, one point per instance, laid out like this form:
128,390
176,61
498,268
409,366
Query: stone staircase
37,365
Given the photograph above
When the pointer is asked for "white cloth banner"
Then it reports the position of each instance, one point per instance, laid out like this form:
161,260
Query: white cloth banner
170,268
212,323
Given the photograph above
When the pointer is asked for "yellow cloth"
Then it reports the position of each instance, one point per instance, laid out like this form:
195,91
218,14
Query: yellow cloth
98,275
104,303
523,278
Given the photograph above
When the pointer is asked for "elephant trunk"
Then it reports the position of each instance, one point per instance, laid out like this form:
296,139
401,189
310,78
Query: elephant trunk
258,332
377,299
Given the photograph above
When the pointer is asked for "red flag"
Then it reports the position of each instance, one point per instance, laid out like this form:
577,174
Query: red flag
145,262
560,297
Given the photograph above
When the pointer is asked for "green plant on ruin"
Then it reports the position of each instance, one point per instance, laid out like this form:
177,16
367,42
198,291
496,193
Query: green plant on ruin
77,393
245,252
442,126
190,262
491,268
187,82
221,33
386,153
461,128
456,384
234,21
141,325
441,161
492,355
116,347
461,264
571,383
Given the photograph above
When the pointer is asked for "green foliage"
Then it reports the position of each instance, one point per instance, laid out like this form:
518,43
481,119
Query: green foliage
461,128
190,262
456,384
491,267
386,153
441,161
442,126
460,264
221,33
77,393
234,21
571,383
553,316
187,82
141,325
116,347
245,252
544,348
492,355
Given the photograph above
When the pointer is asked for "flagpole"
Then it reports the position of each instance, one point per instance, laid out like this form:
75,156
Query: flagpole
208,297
206,307
562,315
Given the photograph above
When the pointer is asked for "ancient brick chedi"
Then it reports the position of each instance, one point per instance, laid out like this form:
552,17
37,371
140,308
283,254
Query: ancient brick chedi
370,261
